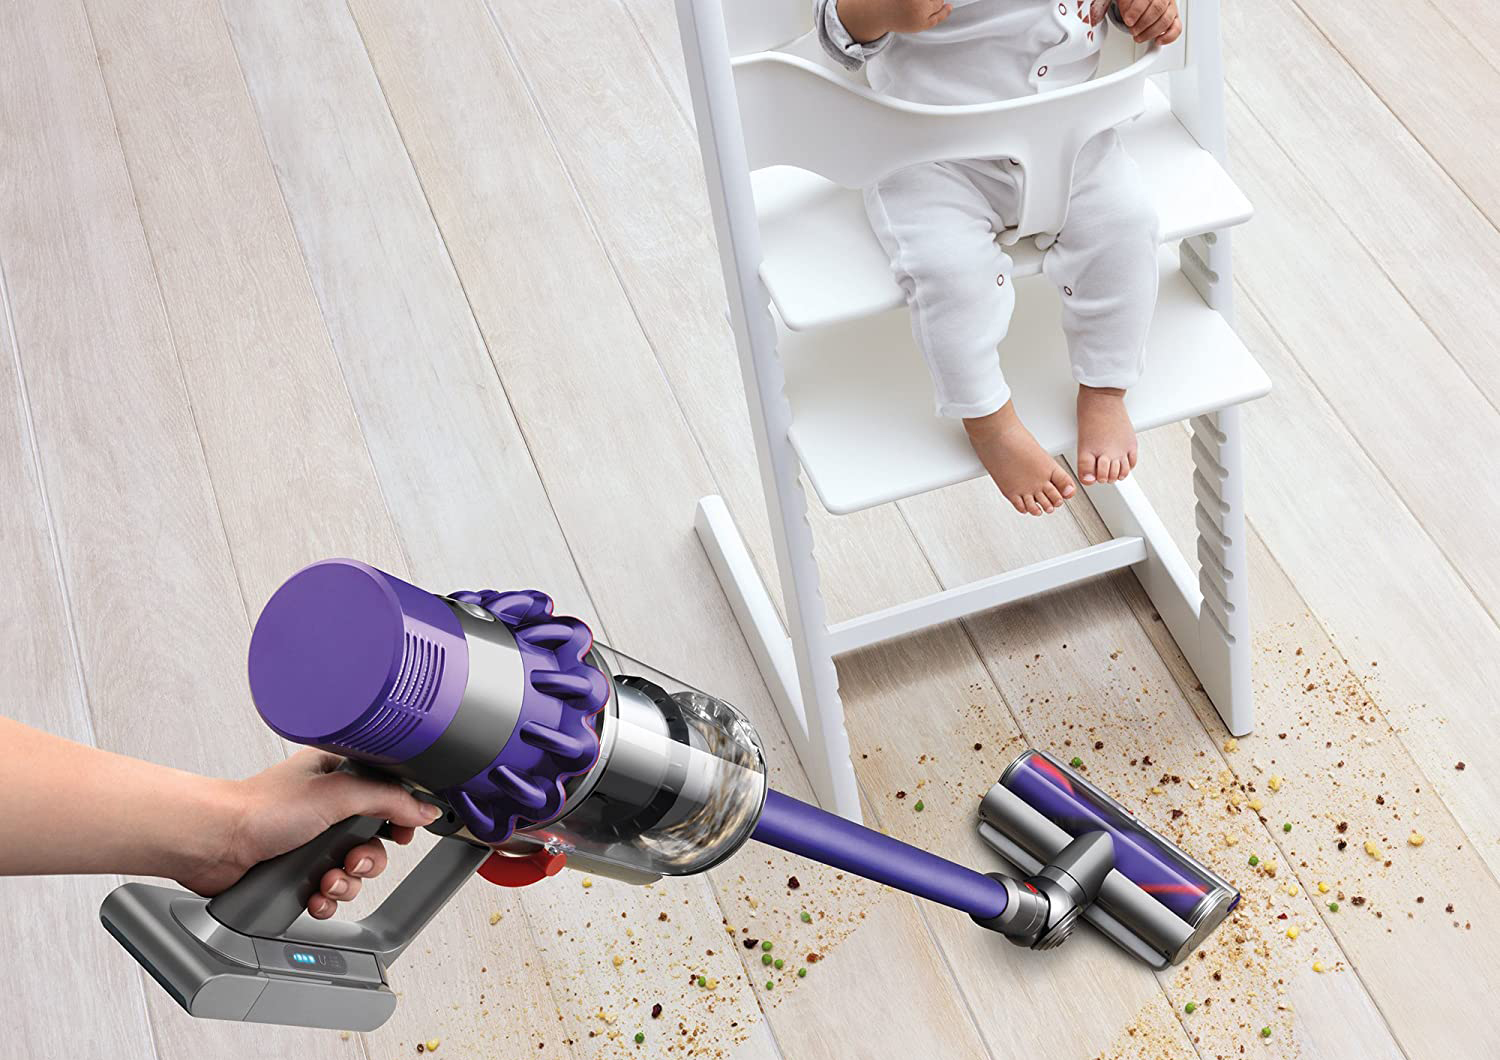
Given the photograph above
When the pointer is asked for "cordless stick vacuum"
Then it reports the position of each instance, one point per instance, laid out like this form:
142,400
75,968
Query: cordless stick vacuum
545,748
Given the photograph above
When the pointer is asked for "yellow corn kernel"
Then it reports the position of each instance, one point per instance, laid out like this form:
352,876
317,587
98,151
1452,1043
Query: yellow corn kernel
433,1043
712,984
1317,966
1255,804
1268,867
1416,839
618,960
1274,783
1291,889
1231,744
1322,888
1371,848
1292,932
494,919
588,883
1158,791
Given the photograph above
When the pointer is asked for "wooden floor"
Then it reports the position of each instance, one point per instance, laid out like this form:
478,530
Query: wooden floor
434,285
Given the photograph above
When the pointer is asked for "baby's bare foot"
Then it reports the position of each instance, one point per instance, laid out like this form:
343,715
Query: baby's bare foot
1027,476
1106,440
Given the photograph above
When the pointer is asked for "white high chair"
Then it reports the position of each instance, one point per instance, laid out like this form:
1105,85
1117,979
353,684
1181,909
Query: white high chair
836,387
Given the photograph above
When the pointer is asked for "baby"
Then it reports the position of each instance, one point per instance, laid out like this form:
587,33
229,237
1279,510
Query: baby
939,221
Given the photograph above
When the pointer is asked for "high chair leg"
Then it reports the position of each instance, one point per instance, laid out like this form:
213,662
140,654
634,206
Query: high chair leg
818,735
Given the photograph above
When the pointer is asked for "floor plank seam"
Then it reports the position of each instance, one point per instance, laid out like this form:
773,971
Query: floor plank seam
1375,259
161,305
1248,294
484,340
65,597
604,247
327,332
661,74
1395,114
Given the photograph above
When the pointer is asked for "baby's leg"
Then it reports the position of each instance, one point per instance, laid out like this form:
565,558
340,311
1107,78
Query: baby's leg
940,234
1104,264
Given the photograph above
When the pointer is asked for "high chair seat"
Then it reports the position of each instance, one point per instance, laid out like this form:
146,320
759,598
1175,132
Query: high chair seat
863,423
823,265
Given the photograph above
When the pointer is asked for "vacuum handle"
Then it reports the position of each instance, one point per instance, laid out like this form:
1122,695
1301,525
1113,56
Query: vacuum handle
267,899
270,899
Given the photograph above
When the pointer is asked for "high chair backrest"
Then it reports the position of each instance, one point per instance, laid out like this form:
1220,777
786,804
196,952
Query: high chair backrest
797,112
760,25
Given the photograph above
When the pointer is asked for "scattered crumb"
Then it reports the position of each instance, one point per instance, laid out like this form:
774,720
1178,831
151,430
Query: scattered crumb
495,918
1416,839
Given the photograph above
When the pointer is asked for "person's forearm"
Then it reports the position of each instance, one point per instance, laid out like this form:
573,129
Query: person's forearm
77,809
864,19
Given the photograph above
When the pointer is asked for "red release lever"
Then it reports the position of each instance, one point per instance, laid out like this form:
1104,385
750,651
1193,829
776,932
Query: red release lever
507,871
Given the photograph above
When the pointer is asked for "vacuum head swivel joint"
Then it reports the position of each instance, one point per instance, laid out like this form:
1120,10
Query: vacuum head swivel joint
1040,911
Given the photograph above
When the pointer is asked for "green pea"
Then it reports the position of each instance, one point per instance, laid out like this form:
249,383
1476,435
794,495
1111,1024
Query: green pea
766,946
778,962
807,918
1333,907
1254,860
801,973
1190,1007
1076,762
765,958
770,985
703,980
1287,827
1265,1032
639,1037
919,806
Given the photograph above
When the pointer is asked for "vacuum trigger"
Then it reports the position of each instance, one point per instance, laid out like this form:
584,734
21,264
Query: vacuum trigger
508,871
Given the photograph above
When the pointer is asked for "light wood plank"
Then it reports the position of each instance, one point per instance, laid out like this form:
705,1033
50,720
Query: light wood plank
646,199
1437,82
1411,558
40,676
518,239
1425,234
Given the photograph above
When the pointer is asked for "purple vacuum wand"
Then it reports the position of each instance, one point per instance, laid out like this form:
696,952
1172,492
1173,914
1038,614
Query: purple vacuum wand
544,746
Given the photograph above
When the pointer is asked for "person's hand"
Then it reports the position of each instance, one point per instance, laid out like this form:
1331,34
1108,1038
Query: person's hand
868,20
1151,20
285,806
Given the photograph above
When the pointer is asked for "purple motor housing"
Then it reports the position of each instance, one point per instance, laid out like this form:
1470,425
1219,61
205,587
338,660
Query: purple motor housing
535,736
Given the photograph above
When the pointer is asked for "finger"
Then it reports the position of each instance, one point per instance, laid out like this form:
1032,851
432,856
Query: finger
1149,31
1130,10
339,886
1146,12
366,860
350,796
1173,31
400,834
320,907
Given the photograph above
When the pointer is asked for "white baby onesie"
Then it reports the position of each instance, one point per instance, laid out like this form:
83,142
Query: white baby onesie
939,221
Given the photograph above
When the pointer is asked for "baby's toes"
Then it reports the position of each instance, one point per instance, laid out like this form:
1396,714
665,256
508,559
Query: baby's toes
1088,465
1130,456
1061,482
1053,494
1018,502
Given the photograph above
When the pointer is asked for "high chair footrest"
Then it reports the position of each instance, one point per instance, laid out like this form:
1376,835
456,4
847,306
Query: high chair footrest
863,423
823,265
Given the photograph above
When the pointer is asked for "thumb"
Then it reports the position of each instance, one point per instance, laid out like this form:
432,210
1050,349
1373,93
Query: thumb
349,796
